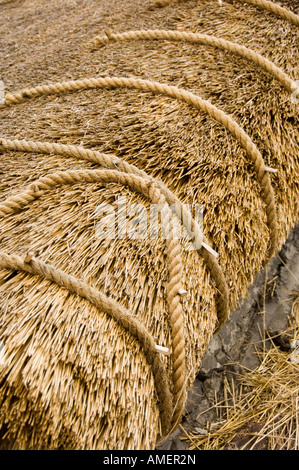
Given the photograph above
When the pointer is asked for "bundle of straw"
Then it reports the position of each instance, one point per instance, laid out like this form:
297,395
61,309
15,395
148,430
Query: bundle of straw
186,120
263,414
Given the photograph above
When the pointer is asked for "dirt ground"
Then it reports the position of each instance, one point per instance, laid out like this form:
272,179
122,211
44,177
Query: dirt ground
233,350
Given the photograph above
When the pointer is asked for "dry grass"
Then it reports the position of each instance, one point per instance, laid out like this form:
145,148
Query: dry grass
76,379
261,412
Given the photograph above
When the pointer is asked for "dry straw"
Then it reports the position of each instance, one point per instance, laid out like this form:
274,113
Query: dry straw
150,190
73,377
262,414
263,4
260,407
183,95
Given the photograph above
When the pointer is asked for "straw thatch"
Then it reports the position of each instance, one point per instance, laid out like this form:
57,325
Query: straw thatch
73,377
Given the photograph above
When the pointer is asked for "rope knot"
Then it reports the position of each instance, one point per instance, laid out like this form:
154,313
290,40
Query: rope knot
154,193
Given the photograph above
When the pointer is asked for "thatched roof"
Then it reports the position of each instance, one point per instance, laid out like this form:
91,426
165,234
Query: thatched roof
73,377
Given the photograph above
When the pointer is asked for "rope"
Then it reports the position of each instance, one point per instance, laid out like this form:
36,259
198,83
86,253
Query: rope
149,189
110,161
264,4
189,98
197,38
3,2
171,407
112,308
274,8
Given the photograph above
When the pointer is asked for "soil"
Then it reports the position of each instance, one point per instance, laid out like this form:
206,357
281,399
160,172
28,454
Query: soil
266,309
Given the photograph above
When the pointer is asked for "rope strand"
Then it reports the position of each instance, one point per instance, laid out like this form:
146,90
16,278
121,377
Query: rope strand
112,308
205,39
110,161
149,189
250,148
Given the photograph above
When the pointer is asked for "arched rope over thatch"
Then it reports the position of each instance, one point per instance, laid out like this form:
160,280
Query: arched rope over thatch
205,39
189,98
148,188
112,308
111,161
272,7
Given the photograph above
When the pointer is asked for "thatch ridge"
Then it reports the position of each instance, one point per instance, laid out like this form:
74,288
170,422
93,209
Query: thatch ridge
180,94
75,379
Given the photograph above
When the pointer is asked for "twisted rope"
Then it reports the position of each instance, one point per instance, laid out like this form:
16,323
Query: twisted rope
205,39
110,161
148,188
112,308
264,4
189,98
274,8
154,191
